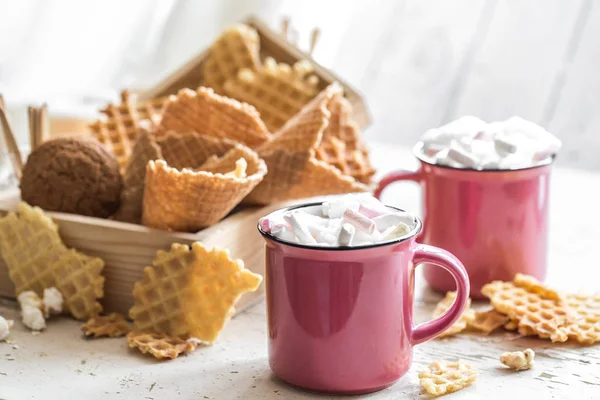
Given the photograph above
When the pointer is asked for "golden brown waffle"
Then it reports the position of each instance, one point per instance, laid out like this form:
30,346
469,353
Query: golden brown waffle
278,91
294,171
542,317
442,377
189,200
532,285
342,145
191,150
513,325
112,325
118,131
465,319
160,346
488,321
236,48
585,324
37,259
132,196
190,292
207,113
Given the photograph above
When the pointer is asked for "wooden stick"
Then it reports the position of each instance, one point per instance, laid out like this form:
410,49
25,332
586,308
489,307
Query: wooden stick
43,124
31,126
11,143
285,27
314,38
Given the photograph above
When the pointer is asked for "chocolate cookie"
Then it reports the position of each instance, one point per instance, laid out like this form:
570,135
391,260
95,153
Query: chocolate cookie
74,175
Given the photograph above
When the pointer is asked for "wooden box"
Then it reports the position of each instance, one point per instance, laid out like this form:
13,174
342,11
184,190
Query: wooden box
127,248
272,44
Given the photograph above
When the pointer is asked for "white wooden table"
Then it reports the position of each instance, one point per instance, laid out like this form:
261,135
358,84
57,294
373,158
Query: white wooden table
60,363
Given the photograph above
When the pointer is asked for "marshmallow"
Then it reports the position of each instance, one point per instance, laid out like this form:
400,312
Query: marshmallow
300,230
284,233
346,235
359,221
382,223
347,224
471,143
265,224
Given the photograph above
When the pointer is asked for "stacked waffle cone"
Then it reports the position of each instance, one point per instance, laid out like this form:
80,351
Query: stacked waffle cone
180,175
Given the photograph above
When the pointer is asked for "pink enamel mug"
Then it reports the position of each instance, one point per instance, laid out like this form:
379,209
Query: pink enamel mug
340,319
494,221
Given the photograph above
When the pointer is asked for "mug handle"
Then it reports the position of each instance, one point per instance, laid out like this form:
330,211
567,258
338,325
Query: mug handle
402,175
441,258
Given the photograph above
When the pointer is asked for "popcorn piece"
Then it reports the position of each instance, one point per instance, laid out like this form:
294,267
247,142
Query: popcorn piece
518,360
359,221
52,302
346,235
442,378
240,169
5,327
33,318
299,229
29,298
31,310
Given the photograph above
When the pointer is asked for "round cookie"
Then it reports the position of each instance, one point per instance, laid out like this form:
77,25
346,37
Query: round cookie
74,175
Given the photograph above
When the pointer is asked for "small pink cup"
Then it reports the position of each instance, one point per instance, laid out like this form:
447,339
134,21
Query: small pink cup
494,221
340,319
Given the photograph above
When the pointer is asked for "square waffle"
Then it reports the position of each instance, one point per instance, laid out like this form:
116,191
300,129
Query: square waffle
236,48
277,90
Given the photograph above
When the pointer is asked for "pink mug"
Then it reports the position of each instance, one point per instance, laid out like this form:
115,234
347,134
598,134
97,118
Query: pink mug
494,221
340,318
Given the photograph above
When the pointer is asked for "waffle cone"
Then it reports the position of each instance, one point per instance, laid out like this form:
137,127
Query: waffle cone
190,292
294,171
132,196
160,346
236,48
205,112
278,91
189,200
37,259
191,150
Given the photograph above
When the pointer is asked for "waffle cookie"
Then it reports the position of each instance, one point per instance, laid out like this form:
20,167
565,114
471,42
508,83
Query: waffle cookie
190,292
205,112
191,150
342,145
535,315
294,171
187,200
238,47
584,326
465,319
132,196
160,346
488,321
112,325
278,91
37,259
118,131
442,377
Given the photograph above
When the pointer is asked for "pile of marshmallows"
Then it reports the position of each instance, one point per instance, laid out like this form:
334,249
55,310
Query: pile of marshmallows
350,220
472,143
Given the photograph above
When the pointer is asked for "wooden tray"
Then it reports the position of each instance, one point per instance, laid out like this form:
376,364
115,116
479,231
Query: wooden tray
273,45
128,248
